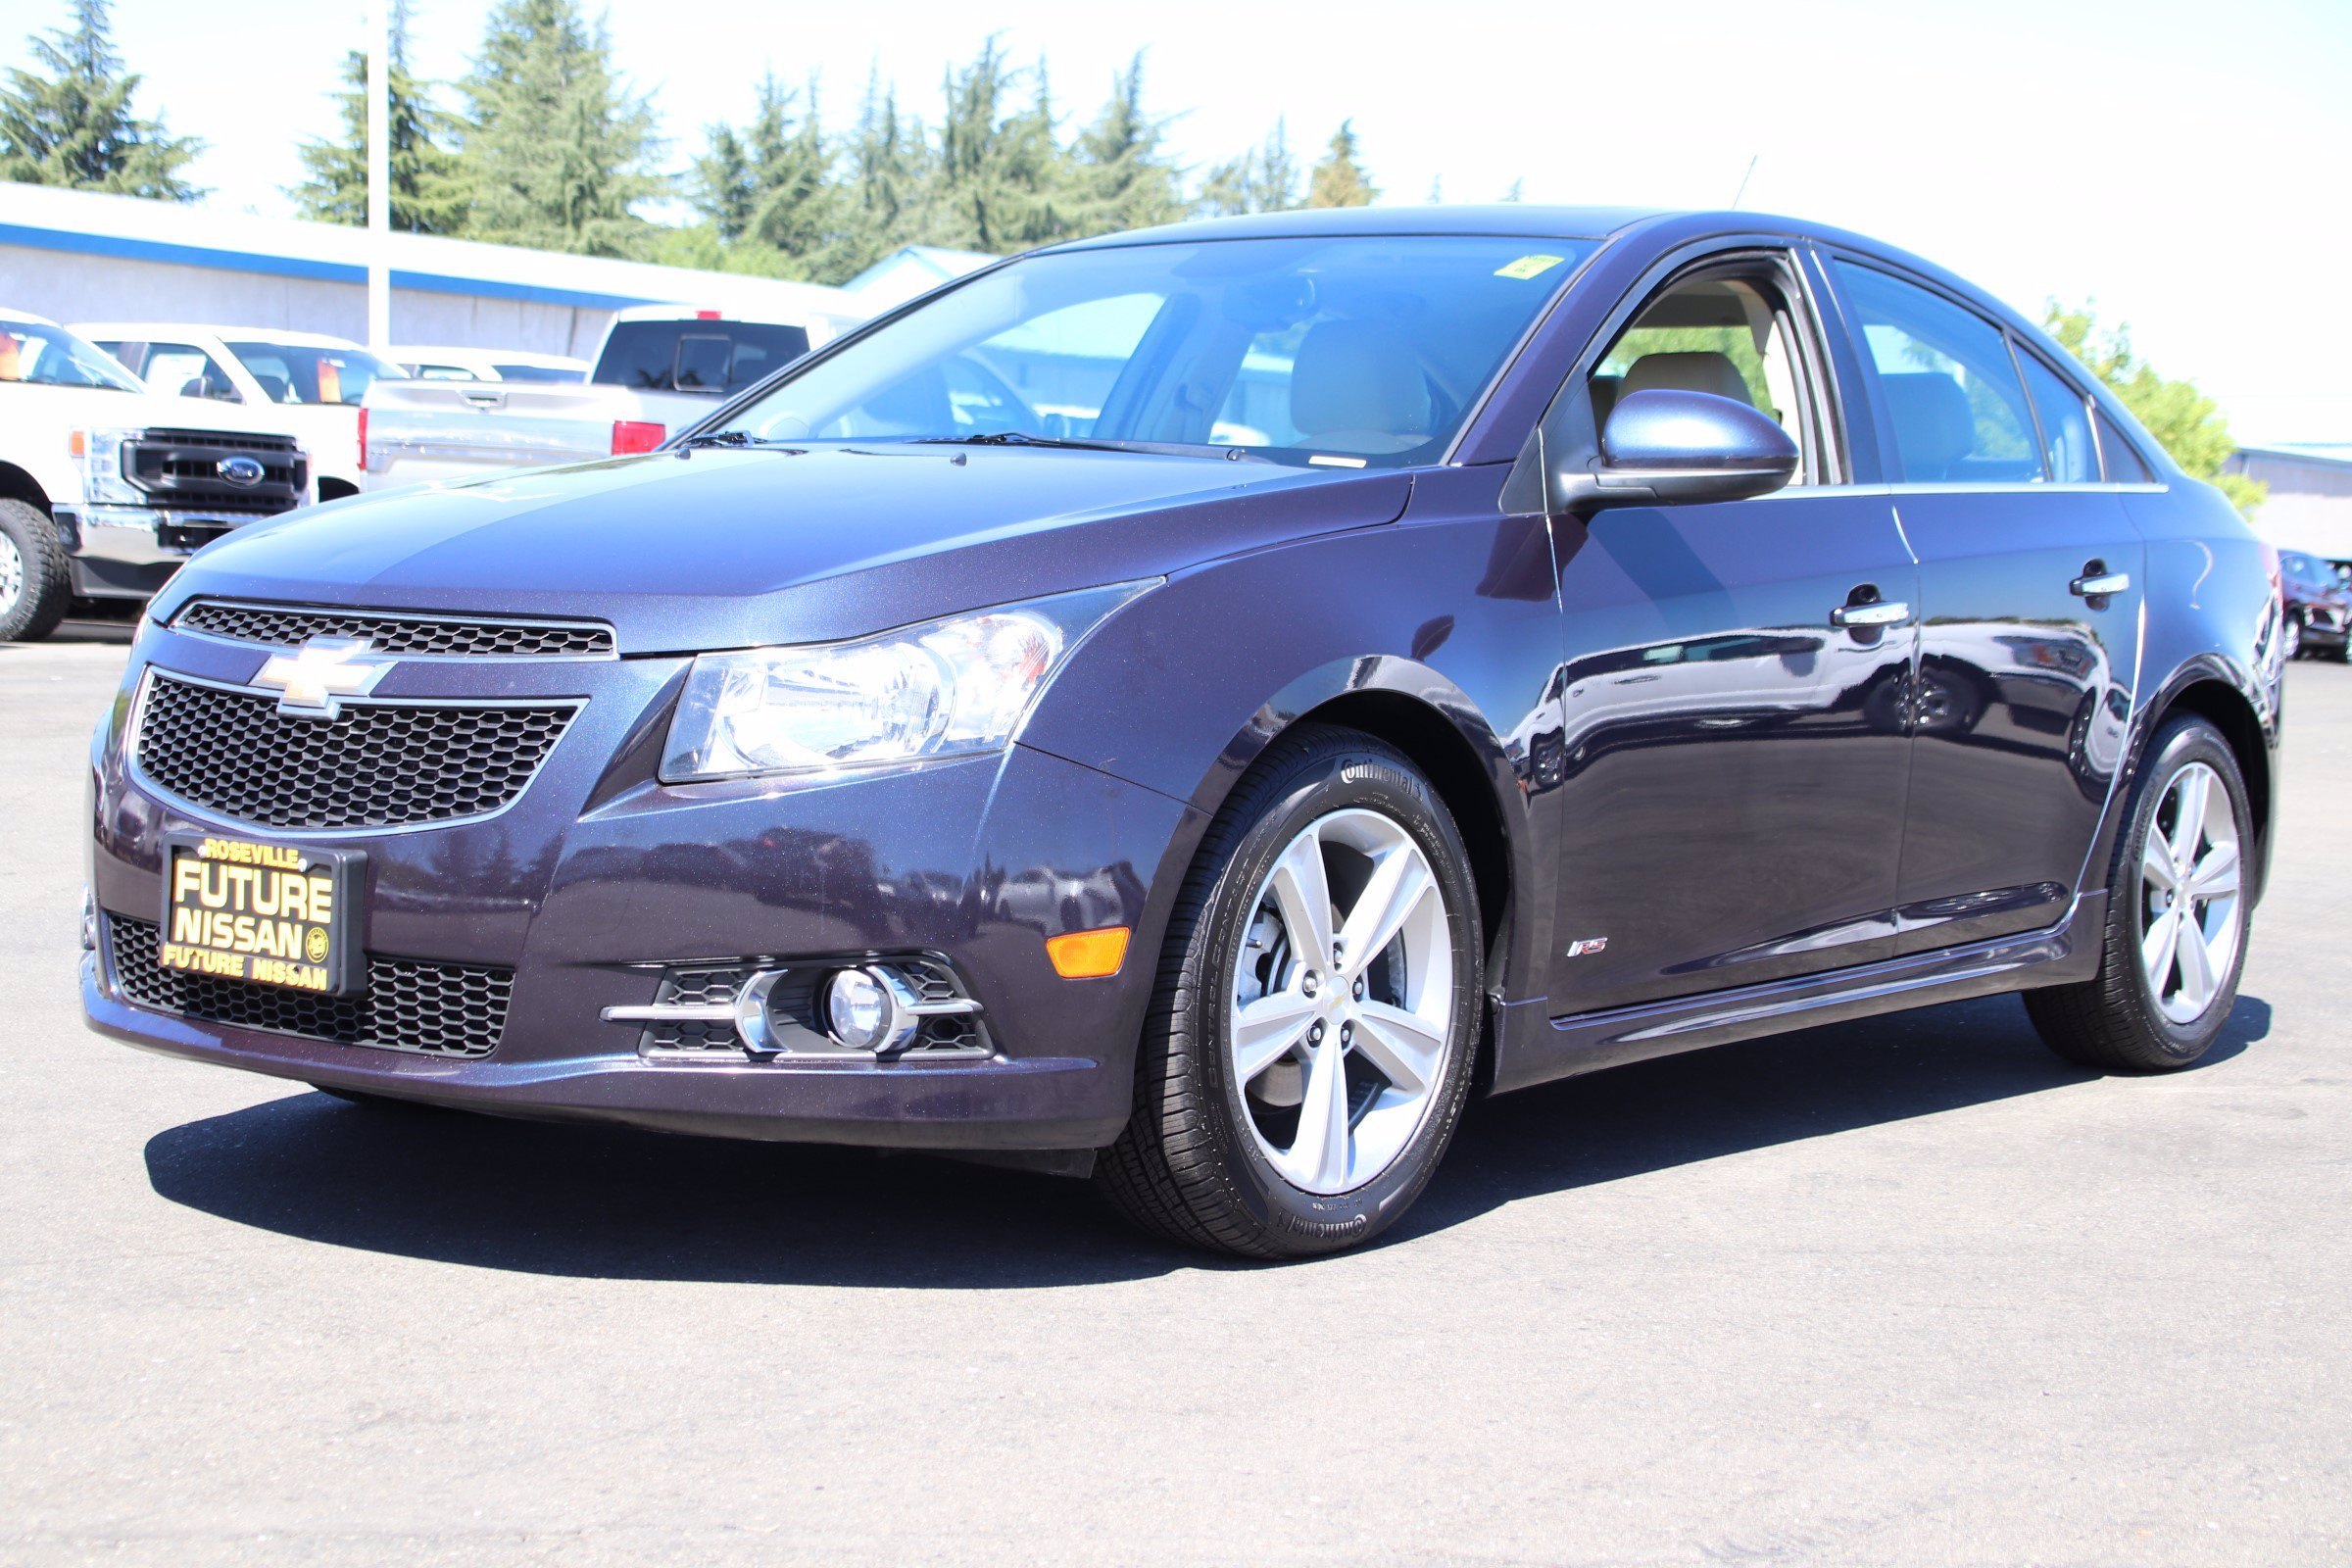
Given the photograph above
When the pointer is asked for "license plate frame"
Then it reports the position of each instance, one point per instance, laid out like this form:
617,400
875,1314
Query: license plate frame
249,881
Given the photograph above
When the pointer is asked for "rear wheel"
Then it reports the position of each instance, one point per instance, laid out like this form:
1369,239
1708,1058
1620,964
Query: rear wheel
35,585
2176,916
1309,1044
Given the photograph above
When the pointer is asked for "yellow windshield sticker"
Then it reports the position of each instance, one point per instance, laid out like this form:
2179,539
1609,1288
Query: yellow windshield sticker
1528,267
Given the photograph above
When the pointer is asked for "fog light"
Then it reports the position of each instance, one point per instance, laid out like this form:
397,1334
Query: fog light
870,1010
89,922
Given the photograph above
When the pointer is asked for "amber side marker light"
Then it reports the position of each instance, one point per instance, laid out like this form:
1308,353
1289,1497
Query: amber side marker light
1088,955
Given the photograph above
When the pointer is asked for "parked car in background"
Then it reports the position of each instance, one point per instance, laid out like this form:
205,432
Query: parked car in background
106,487
485,365
2318,606
872,767
316,380
660,368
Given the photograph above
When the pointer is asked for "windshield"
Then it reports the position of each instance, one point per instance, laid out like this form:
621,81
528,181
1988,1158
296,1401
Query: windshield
1364,351
51,355
538,373
291,375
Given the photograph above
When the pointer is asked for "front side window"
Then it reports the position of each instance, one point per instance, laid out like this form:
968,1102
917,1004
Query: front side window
293,375
186,369
1730,336
1947,383
1354,352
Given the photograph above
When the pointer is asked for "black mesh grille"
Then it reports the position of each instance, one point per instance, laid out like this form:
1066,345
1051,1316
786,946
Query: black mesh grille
374,766
434,1010
394,634
795,996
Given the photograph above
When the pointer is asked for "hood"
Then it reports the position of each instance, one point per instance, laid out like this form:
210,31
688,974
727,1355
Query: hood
130,410
728,549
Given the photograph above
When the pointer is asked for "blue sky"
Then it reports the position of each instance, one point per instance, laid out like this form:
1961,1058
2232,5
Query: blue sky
2186,166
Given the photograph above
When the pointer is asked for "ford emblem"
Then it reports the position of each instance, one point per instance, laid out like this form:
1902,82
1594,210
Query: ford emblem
242,471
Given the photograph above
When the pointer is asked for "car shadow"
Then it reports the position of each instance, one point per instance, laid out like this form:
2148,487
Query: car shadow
117,634
614,1202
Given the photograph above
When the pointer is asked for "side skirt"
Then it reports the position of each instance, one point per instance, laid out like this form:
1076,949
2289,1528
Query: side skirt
1530,1049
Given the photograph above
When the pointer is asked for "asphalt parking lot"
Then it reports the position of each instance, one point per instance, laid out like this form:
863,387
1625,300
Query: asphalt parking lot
1905,1291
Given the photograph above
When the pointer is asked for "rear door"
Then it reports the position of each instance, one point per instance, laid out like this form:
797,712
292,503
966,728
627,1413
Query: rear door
1733,763
2029,597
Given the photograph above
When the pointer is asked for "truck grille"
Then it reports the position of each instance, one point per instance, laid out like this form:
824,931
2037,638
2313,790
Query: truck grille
180,470
376,764
433,1009
277,626
943,1035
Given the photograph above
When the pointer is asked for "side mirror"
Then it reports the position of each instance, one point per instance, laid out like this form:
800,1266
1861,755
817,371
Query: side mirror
1663,447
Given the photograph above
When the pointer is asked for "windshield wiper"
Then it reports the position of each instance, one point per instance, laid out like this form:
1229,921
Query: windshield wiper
1022,439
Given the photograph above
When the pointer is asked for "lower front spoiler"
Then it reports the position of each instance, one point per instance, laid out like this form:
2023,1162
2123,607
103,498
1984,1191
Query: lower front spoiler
1057,1102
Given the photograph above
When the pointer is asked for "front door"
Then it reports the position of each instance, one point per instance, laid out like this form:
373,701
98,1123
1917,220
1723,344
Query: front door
2029,597
1733,761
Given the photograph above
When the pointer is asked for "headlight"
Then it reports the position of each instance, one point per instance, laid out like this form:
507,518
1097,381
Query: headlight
98,455
955,687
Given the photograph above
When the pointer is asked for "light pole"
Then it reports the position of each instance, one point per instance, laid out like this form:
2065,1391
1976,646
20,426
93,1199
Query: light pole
379,171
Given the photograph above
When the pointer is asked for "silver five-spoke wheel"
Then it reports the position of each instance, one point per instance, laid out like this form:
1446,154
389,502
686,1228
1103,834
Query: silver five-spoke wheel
2189,877
1343,1003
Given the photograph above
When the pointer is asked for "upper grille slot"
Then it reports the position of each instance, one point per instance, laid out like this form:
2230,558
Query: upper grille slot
378,765
434,1010
277,626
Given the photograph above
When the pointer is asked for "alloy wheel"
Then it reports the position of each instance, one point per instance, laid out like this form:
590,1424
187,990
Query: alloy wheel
2189,877
1339,1029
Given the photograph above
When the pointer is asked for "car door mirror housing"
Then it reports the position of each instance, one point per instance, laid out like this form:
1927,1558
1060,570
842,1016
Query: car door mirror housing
1664,447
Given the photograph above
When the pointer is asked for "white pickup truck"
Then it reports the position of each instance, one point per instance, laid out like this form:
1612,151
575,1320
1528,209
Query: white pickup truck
661,367
310,383
106,487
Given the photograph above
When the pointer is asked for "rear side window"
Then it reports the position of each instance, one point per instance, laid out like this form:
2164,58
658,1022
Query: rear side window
178,368
2123,463
2065,444
1947,383
696,356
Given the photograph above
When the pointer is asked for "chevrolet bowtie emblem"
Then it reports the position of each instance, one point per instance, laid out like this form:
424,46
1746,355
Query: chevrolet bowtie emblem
316,677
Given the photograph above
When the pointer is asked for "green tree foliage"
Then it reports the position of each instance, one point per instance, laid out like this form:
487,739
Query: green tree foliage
427,195
1263,180
1340,180
74,126
2187,422
1126,180
1003,182
558,149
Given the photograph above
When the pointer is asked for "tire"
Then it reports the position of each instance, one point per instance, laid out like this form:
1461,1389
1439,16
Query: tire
1225,1153
36,586
2292,648
2126,1018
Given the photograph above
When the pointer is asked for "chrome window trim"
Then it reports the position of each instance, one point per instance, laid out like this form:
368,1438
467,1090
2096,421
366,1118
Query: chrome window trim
135,733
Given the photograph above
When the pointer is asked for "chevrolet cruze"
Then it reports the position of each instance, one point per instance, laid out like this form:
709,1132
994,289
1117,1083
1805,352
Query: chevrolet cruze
1194,706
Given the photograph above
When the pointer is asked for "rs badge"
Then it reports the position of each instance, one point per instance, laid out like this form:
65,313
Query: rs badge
1577,949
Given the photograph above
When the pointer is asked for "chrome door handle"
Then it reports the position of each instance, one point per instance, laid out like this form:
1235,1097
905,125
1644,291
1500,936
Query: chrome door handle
1885,612
2099,587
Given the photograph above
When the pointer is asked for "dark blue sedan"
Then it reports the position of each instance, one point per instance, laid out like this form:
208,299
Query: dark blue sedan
1192,708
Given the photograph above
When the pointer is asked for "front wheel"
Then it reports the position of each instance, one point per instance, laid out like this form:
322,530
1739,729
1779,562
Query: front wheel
1317,1007
2293,646
34,585
2175,941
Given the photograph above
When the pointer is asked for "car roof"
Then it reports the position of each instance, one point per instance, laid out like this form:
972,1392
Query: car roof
242,334
15,314
460,351
1500,218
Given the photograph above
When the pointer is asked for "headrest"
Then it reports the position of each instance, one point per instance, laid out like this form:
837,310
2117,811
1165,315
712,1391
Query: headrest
1933,425
1692,370
1358,378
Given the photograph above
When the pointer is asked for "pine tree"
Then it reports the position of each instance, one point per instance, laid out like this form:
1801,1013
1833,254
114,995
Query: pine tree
428,196
1263,180
74,125
1339,180
792,177
558,147
1001,182
1127,181
889,190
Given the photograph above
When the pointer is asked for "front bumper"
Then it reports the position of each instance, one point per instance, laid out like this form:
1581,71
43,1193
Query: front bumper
121,552
598,876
